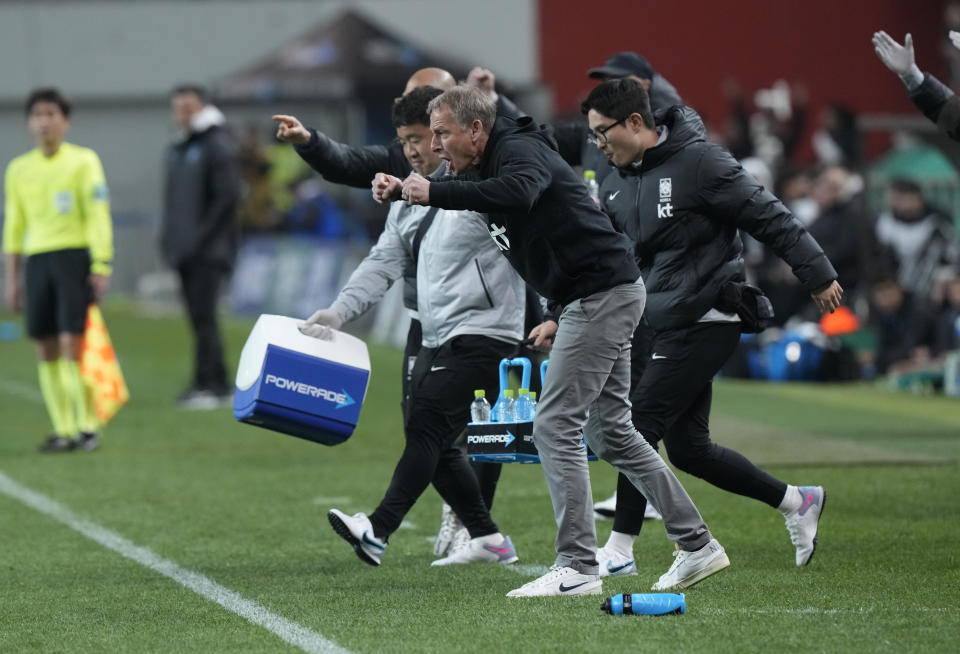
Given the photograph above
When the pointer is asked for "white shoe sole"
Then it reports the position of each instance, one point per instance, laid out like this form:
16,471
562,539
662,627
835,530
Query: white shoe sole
588,589
823,505
344,532
716,565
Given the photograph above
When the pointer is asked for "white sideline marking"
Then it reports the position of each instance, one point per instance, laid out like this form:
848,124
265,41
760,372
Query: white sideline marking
813,610
291,632
21,390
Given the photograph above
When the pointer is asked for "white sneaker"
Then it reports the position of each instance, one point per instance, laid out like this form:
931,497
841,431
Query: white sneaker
690,567
449,526
651,513
560,581
804,522
481,550
605,509
614,564
460,540
358,531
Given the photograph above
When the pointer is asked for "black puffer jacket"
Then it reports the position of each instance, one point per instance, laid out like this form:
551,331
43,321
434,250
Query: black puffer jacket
540,215
202,189
683,206
939,104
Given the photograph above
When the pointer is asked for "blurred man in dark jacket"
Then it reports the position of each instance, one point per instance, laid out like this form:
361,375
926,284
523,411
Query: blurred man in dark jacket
919,238
200,232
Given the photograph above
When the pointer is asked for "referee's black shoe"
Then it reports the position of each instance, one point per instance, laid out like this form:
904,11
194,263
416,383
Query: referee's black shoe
58,444
88,441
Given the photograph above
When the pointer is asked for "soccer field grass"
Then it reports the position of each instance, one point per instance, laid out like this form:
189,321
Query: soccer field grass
246,508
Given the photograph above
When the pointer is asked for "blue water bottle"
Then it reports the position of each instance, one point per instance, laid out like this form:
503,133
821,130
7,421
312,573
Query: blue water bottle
645,604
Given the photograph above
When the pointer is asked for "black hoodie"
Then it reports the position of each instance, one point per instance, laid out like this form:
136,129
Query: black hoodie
682,207
540,215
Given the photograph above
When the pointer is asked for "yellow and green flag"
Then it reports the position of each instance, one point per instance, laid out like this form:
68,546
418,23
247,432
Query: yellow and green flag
100,369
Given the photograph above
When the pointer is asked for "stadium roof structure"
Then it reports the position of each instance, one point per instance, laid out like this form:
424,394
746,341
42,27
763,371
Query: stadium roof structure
345,56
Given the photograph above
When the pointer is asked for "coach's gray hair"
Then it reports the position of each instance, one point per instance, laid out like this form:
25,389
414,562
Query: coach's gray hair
467,104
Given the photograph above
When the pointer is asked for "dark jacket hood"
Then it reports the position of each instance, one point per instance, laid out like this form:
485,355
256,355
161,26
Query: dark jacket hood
506,126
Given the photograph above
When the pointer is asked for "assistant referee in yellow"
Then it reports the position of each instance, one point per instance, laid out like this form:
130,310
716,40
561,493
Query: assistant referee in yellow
57,217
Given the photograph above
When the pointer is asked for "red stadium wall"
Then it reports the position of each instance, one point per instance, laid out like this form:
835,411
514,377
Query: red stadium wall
696,44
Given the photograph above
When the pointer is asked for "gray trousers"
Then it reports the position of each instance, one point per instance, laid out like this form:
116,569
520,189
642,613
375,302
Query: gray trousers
587,388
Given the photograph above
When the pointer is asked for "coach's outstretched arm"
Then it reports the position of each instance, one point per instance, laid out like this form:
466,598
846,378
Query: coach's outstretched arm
930,95
337,162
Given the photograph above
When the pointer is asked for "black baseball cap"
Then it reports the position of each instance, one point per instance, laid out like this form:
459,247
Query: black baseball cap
623,64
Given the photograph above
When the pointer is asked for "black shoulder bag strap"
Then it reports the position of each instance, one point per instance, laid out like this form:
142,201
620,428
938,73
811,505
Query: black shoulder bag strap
422,230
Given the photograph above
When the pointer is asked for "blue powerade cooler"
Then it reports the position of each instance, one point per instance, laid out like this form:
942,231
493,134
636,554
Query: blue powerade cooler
299,385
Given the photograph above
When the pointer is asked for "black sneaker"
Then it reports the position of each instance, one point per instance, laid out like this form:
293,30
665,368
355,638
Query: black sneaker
58,444
88,442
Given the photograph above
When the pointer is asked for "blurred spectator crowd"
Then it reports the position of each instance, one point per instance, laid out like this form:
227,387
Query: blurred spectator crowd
889,226
282,194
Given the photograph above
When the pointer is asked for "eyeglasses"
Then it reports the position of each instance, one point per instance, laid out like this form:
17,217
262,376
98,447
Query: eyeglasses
599,137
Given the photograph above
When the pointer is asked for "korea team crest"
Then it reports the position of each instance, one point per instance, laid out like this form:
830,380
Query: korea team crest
666,188
665,206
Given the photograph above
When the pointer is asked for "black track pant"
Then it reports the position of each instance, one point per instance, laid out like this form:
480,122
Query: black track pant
200,285
437,410
488,474
671,395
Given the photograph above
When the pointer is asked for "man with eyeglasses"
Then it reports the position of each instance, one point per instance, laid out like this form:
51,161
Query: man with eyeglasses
543,221
682,201
572,138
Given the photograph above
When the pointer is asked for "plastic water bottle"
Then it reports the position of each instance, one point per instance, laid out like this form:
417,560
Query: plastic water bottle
479,408
593,188
523,406
507,408
645,604
533,405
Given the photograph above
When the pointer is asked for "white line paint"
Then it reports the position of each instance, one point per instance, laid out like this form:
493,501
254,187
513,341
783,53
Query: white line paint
21,390
291,632
814,610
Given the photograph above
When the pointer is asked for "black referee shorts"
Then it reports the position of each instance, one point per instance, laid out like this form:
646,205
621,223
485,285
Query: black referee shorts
58,292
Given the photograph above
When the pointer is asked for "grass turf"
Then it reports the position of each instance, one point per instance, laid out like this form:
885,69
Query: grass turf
246,507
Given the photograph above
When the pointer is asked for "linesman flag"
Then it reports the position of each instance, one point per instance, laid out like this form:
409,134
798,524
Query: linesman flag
100,369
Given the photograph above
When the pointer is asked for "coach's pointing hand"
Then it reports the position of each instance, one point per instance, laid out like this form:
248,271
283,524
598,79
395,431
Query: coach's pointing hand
416,189
290,130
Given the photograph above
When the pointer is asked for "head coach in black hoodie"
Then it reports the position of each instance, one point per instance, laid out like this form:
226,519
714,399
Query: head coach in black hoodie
683,201
559,241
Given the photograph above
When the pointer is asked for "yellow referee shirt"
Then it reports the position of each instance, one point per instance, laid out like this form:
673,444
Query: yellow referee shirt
57,203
